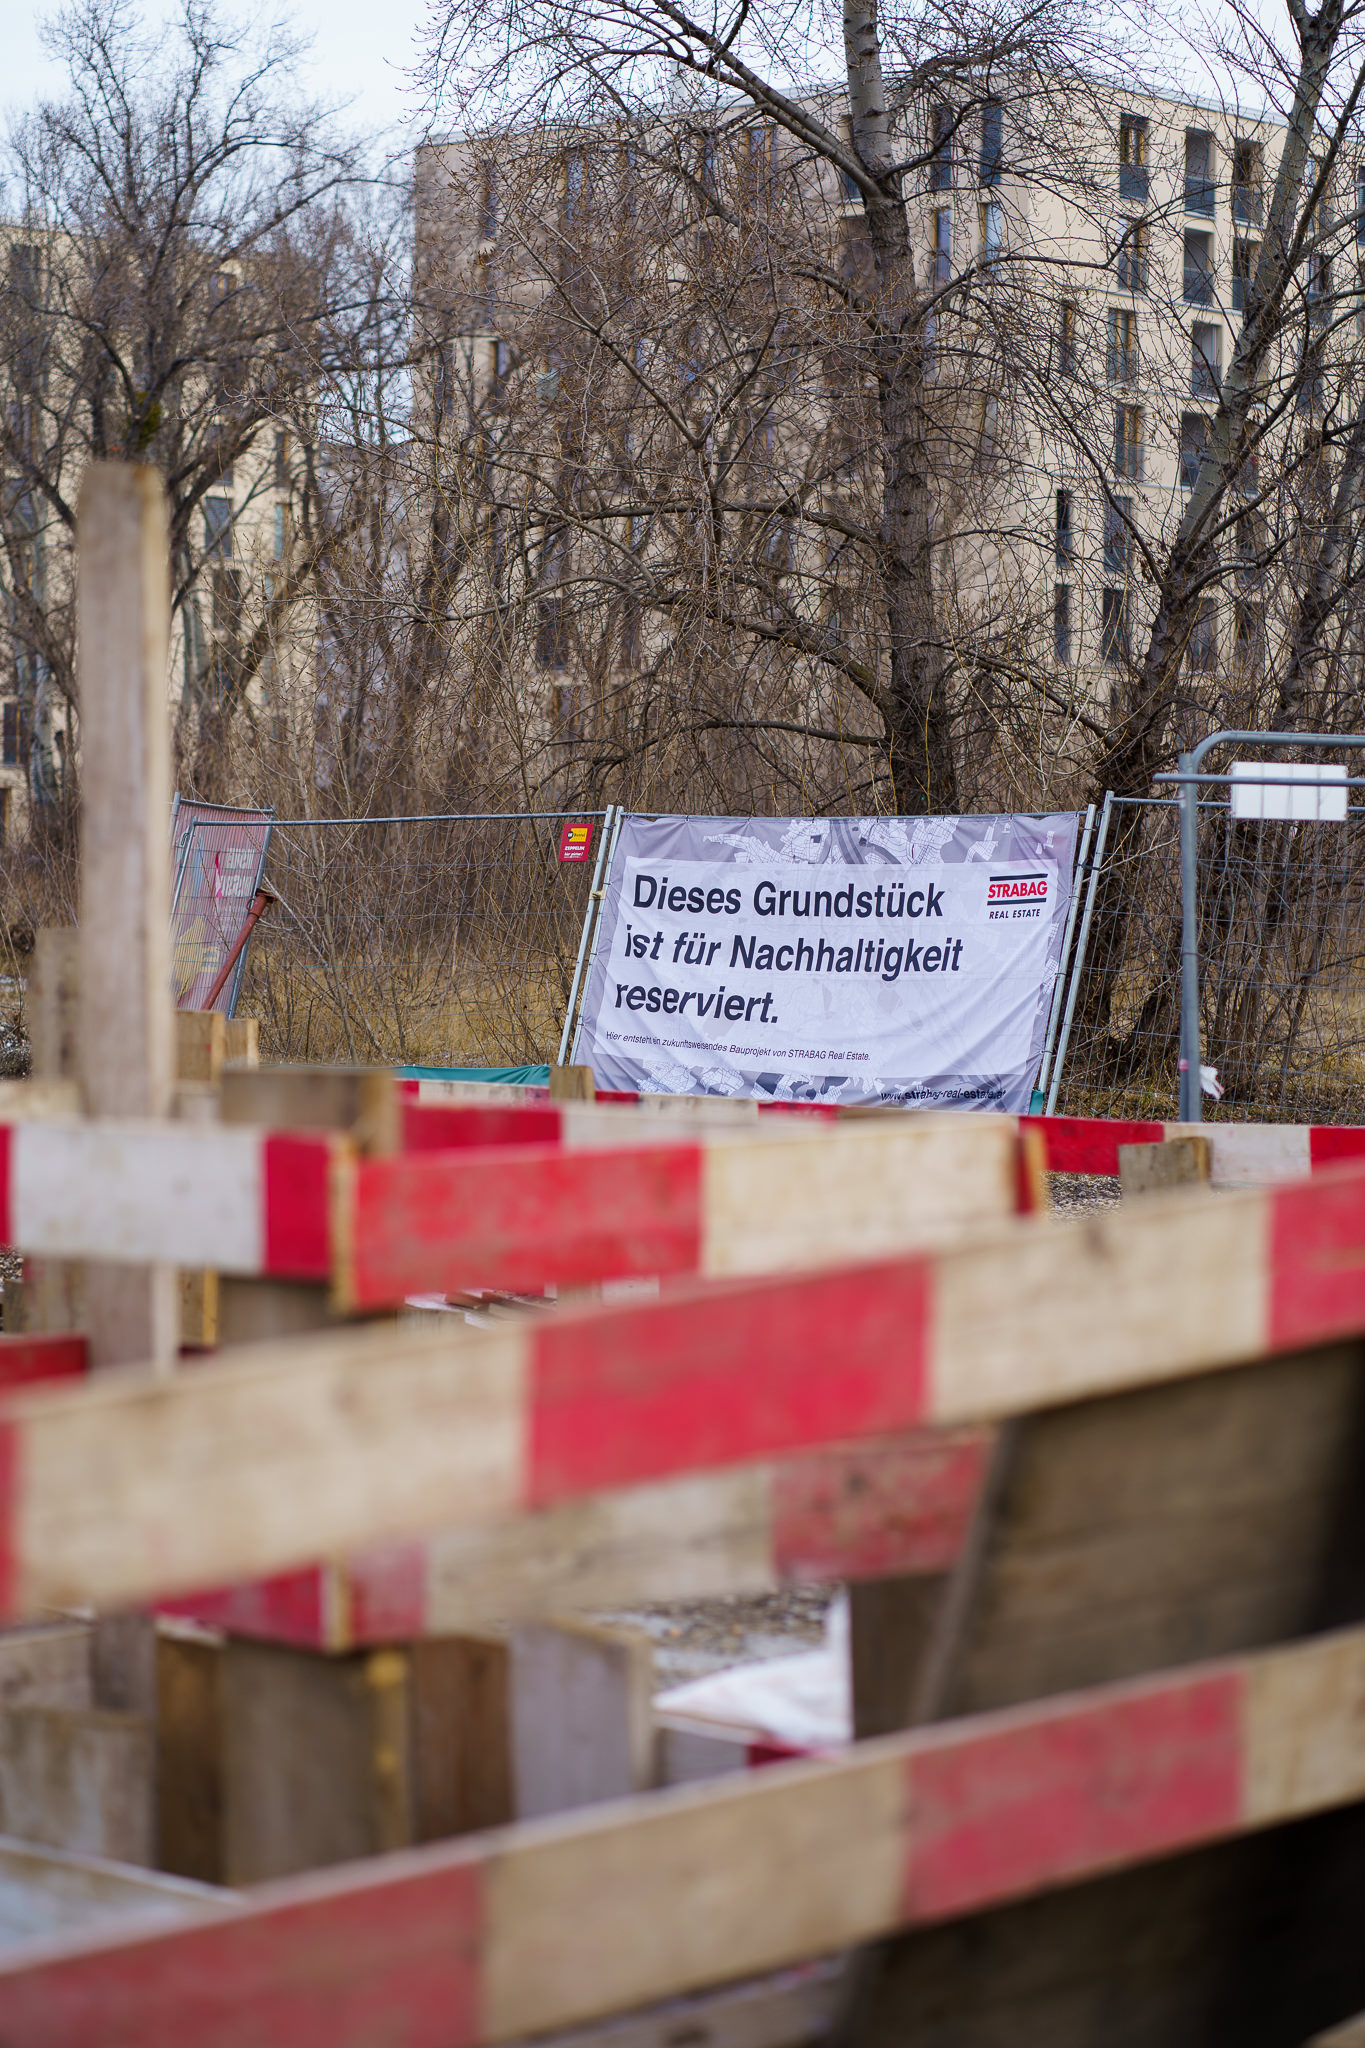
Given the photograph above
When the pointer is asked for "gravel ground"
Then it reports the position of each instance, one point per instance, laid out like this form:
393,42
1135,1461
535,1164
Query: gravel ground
692,1637
1072,1192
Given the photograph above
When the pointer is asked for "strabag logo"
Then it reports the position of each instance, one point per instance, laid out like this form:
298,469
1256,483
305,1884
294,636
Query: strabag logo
1018,888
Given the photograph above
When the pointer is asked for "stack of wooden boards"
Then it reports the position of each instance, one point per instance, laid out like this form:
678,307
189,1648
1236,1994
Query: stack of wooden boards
1095,1485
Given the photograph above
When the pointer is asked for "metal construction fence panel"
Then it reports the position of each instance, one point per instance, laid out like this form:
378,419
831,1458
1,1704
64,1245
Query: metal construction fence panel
218,852
445,941
1281,930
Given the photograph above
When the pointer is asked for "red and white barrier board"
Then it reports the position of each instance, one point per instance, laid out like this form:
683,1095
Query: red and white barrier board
518,1217
238,1200
1244,1155
506,1935
840,1511
122,1492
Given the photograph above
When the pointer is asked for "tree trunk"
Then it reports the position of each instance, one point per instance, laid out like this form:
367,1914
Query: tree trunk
918,716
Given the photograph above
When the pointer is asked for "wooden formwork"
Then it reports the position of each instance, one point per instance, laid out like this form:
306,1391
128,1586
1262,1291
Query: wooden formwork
1094,1484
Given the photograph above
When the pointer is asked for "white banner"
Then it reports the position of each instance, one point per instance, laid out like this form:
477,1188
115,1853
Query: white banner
841,960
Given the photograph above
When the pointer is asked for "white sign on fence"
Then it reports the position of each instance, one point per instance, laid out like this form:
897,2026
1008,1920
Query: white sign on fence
1324,798
839,960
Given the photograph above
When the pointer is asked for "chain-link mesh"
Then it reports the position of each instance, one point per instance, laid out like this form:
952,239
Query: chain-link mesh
1282,969
425,941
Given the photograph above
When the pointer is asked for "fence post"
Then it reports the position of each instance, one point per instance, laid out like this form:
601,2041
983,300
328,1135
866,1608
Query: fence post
126,1046
594,911
1079,962
598,895
1057,992
1190,1105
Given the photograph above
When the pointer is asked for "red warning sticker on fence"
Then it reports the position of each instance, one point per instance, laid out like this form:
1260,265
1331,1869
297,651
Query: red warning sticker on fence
574,842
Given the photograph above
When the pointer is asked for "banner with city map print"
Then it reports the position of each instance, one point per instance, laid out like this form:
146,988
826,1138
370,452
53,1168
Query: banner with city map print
831,959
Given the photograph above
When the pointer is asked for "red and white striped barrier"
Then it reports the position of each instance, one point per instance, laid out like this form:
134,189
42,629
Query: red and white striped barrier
521,1217
32,1359
1243,1155
501,1936
241,1201
841,1511
118,1493
526,1218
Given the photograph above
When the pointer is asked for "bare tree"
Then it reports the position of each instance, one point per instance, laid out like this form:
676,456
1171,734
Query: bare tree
179,250
767,286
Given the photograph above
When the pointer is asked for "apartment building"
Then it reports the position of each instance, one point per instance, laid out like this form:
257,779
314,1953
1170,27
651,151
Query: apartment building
1133,269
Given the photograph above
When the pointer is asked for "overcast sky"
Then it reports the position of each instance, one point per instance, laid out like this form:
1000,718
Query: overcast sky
360,51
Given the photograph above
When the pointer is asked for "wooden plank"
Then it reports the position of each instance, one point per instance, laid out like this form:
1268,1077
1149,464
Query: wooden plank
47,1665
1211,1516
572,1084
32,1359
532,1217
307,1449
77,1779
582,1715
461,1735
200,1045
274,1759
562,1922
126,1047
845,1510
1152,1169
47,1892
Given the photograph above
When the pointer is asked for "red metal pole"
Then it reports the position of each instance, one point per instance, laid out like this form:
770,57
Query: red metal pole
260,903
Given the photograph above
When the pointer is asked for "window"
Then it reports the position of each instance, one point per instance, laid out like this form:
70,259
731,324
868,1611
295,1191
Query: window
1245,256
1249,627
1128,441
850,189
281,532
1065,543
992,142
941,148
1132,260
218,527
1066,342
1132,156
488,202
1123,347
1250,541
14,741
1319,284
1118,537
1061,623
1247,174
1202,653
1114,626
227,595
573,186
502,365
992,231
943,245
1198,267
1311,389
281,462
1194,439
552,632
1199,184
1206,360
442,383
